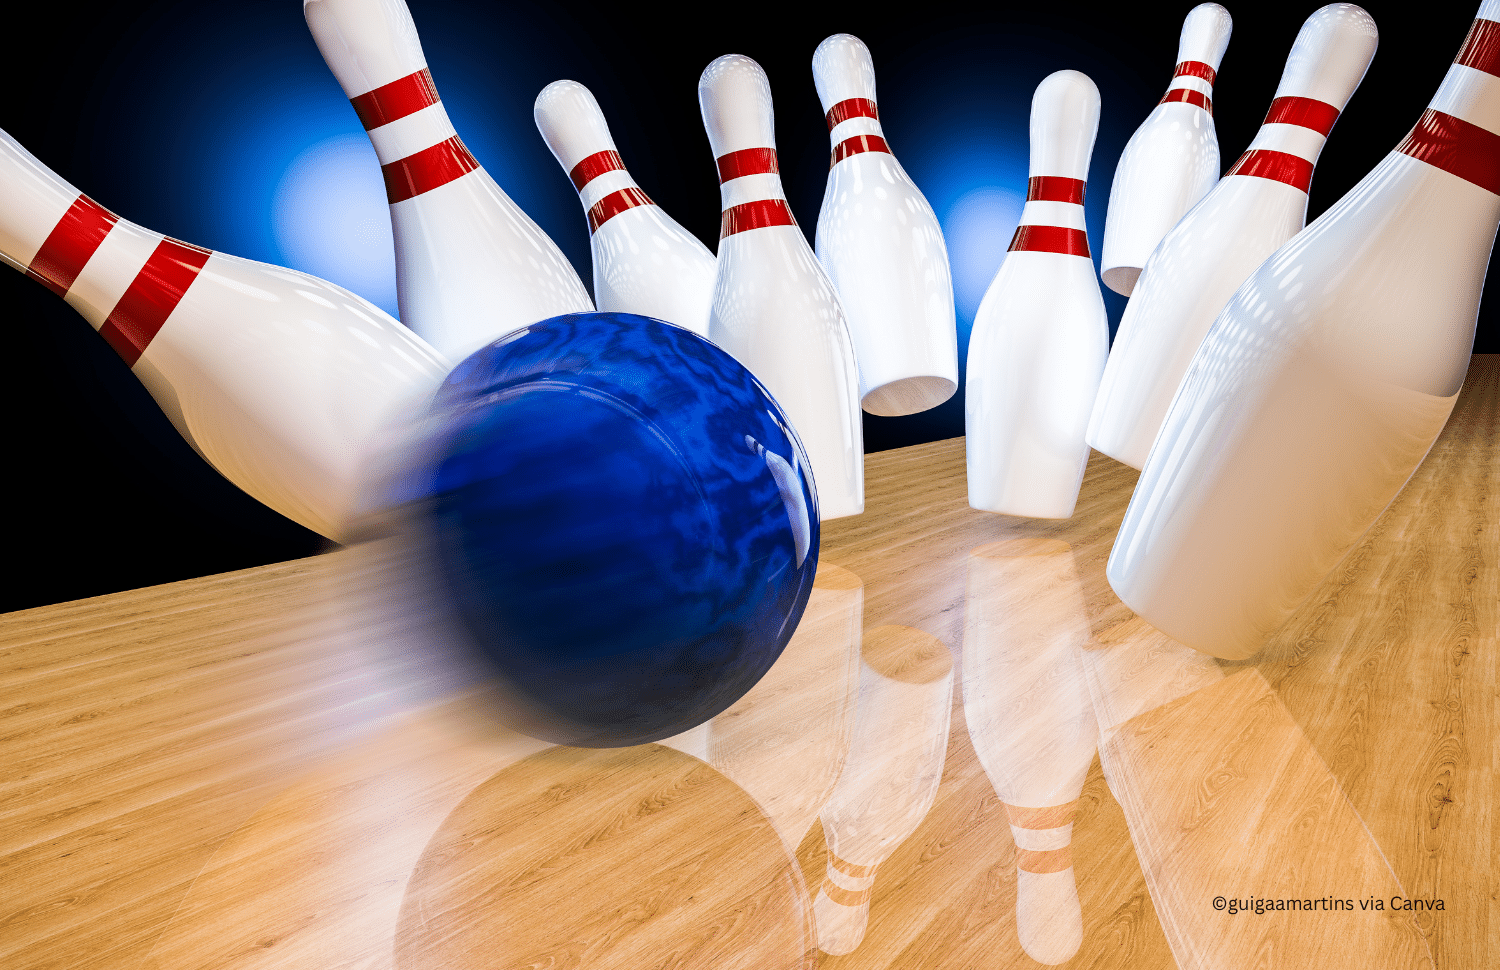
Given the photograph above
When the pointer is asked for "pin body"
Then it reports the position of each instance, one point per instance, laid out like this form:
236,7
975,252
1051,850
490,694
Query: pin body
1172,160
773,306
470,265
644,262
880,242
1041,333
281,381
1259,204
1322,384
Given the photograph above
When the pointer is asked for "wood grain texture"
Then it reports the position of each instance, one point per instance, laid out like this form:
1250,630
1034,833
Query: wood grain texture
168,789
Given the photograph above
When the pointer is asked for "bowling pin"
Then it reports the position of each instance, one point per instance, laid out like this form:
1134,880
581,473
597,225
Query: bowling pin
1323,383
281,381
890,778
1172,160
774,308
470,265
1032,723
1259,204
881,245
785,741
1041,334
644,262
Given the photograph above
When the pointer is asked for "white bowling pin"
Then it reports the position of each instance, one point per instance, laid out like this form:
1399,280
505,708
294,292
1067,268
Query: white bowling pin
881,245
1031,721
281,381
785,741
1041,333
1172,160
1259,204
891,777
644,262
774,308
1323,383
470,265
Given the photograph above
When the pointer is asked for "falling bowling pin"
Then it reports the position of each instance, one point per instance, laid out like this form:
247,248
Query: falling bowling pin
891,777
1031,721
470,265
281,381
644,262
881,245
1041,334
774,308
1259,204
1323,383
1172,160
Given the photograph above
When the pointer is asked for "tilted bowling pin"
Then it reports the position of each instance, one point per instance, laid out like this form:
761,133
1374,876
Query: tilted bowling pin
644,262
774,308
881,245
891,777
1259,204
281,381
1031,721
1172,160
470,265
1323,383
1041,334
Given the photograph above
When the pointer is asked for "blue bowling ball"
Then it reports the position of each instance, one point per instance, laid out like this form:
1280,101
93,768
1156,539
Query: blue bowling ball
623,521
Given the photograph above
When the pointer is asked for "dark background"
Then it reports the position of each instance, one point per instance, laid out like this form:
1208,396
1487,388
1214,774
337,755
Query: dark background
218,123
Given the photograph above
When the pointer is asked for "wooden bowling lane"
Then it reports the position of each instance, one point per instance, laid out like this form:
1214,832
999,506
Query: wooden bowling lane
169,799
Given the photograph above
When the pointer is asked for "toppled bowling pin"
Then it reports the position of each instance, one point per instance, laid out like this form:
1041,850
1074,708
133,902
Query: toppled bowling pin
1259,204
1172,160
774,308
1041,334
470,265
881,244
644,262
282,381
1323,383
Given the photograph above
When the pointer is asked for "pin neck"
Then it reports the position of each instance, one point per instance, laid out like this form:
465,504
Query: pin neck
394,101
1453,134
1192,83
605,200
851,108
747,161
1050,199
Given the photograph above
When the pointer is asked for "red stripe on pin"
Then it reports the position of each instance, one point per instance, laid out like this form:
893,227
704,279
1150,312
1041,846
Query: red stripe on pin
614,204
1307,112
857,145
70,244
1196,69
1456,146
755,215
851,108
1481,49
1292,170
1190,96
407,178
396,100
152,296
747,161
1050,239
594,166
1055,188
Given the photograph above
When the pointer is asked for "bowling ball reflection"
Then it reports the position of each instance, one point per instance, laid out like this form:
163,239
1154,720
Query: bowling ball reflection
622,521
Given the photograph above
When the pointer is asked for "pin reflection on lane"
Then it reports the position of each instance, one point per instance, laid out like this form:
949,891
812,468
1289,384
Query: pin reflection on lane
891,776
1031,722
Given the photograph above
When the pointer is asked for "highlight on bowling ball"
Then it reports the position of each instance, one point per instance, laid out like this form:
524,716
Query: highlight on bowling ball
620,519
